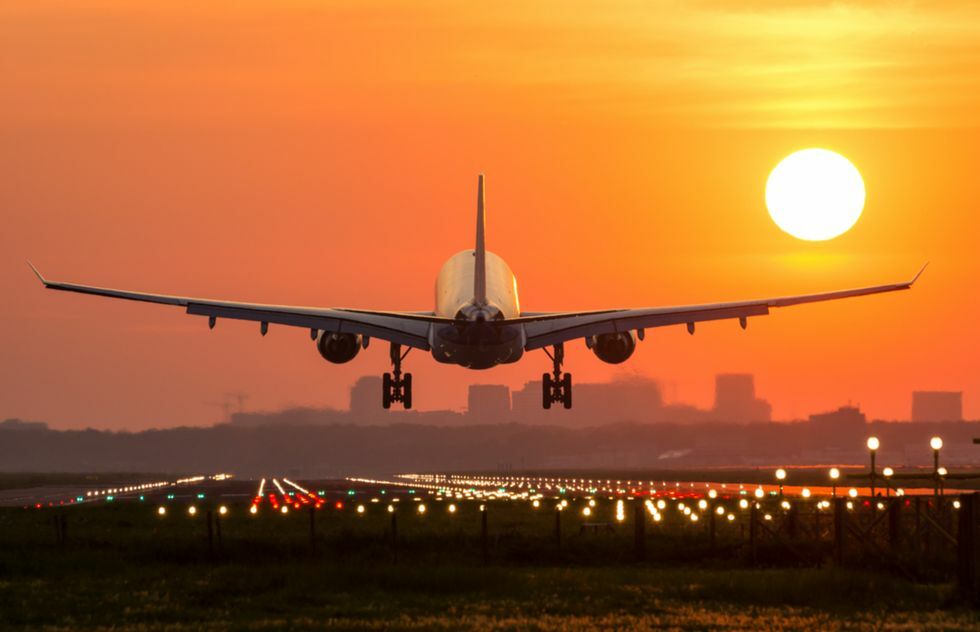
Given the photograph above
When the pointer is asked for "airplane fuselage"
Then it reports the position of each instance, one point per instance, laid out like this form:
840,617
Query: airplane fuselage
471,341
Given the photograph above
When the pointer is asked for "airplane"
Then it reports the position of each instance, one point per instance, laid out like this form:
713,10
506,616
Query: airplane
477,322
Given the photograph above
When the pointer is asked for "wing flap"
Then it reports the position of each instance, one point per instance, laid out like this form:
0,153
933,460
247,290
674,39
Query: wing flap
543,330
546,333
410,329
411,332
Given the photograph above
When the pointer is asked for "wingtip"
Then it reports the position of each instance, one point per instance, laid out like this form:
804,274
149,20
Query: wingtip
37,274
919,273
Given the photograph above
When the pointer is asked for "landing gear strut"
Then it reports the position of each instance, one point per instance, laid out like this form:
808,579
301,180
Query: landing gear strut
556,387
397,387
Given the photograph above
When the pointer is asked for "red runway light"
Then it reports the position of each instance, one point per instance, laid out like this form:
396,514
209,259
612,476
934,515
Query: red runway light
339,505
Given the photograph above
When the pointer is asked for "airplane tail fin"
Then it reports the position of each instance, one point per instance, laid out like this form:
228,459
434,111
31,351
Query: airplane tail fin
480,252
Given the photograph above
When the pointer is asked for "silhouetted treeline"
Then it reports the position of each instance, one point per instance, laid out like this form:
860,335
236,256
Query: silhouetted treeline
345,449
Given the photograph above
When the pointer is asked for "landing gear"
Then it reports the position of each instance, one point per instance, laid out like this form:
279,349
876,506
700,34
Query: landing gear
556,387
397,387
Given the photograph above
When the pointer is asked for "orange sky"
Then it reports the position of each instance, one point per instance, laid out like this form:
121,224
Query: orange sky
324,153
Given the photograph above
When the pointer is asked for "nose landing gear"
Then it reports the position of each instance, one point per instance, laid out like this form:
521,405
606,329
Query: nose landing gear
556,387
397,387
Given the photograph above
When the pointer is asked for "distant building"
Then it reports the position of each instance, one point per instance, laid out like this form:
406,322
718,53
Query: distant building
20,424
844,419
631,399
526,402
365,397
937,406
843,429
735,399
627,399
489,402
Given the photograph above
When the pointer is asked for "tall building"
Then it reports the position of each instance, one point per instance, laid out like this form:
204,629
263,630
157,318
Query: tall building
735,399
526,403
365,398
937,406
489,402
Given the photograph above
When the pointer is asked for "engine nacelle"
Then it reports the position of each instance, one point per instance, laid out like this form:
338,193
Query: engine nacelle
613,348
338,348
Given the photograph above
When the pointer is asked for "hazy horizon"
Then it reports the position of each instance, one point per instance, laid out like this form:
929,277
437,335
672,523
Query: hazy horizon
302,154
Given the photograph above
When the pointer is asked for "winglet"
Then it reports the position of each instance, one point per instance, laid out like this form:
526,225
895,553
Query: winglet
918,274
480,252
38,274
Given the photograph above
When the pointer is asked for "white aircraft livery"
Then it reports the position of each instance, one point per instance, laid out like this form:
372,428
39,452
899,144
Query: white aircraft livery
477,322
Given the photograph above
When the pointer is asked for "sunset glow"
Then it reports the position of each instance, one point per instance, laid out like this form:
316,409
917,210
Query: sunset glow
325,154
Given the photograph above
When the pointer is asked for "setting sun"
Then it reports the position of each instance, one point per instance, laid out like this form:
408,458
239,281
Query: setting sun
815,194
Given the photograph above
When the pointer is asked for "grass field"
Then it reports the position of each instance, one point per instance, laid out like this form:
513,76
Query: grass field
125,567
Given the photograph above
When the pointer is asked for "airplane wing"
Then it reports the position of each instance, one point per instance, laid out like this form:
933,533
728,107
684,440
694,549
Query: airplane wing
544,330
409,328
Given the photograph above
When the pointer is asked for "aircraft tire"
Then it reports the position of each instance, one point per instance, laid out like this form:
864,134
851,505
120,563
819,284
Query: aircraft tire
386,391
407,391
546,387
566,390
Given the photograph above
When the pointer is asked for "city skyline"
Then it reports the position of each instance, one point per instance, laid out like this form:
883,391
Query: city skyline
632,398
523,404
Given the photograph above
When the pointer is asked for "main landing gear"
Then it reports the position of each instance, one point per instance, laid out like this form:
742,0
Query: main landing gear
556,387
397,387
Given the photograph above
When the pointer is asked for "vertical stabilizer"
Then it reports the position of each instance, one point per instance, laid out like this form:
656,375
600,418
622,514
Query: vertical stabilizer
480,252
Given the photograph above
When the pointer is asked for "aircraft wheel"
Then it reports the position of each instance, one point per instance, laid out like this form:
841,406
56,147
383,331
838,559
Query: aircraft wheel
407,391
566,390
546,388
386,391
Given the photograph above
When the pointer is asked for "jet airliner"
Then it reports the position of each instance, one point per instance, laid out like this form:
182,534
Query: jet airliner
477,322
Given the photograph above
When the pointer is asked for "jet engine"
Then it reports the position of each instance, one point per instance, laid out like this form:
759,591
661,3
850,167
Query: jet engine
613,348
338,348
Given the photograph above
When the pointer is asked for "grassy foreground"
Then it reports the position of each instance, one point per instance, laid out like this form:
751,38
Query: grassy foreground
124,567
97,594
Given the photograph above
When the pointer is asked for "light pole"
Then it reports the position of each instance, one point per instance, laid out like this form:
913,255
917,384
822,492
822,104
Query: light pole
887,473
780,476
873,445
936,443
834,475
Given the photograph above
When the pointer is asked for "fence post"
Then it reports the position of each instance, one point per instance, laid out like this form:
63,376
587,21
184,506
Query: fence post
394,536
754,536
210,519
312,529
711,527
816,526
484,534
64,528
840,527
639,533
791,521
966,539
926,539
558,526
894,523
916,542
